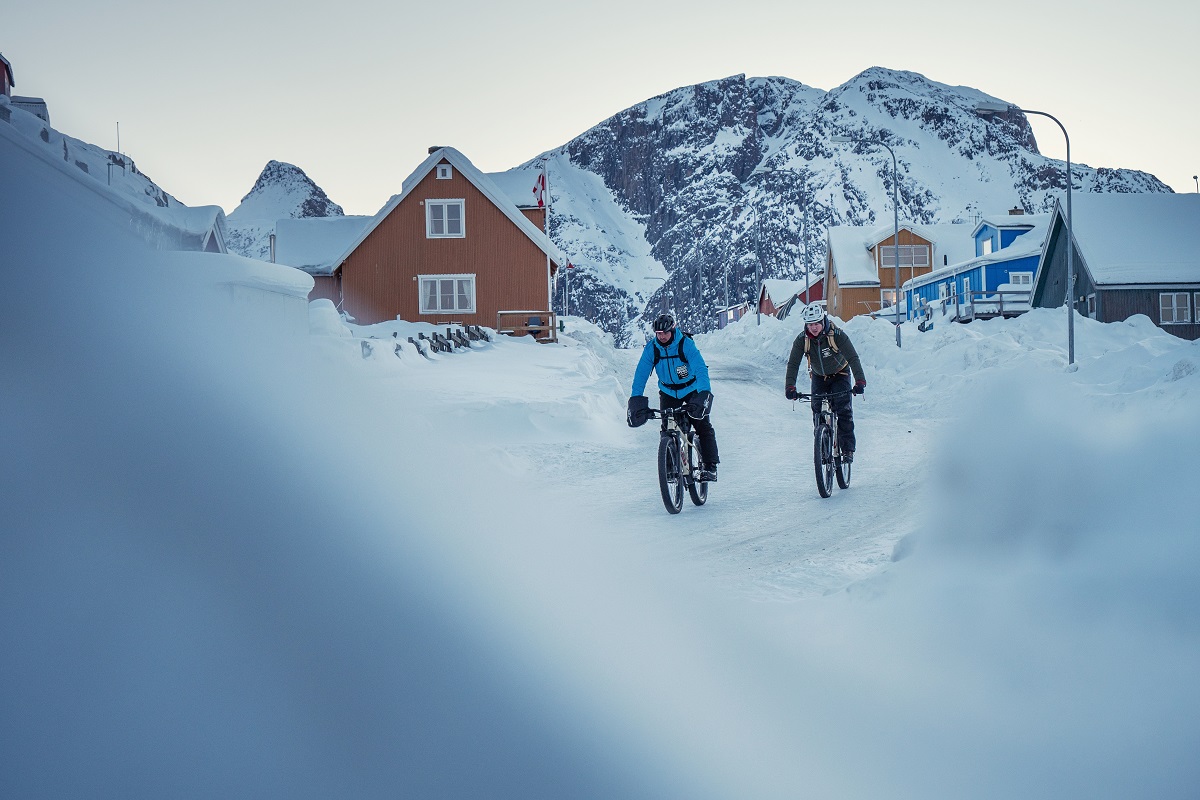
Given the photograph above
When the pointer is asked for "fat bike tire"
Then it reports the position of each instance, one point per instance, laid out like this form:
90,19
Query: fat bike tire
843,472
670,474
697,490
823,459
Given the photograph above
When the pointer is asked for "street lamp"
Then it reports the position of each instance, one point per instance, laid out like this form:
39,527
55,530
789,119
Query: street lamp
664,297
804,223
987,108
1196,178
838,138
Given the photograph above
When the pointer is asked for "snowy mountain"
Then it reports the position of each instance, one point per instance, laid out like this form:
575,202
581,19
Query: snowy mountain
282,191
680,170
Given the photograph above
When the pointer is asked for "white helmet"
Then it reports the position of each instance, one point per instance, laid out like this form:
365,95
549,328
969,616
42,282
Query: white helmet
813,313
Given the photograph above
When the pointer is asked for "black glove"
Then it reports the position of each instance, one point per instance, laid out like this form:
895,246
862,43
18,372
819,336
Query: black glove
790,393
859,387
699,404
639,411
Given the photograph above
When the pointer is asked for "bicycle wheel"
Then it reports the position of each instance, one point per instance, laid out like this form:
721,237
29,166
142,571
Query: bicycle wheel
843,471
670,474
823,459
697,490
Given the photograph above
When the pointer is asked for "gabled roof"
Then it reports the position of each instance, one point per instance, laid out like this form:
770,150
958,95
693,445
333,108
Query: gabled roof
1024,246
7,68
482,182
1004,222
312,243
851,245
1144,238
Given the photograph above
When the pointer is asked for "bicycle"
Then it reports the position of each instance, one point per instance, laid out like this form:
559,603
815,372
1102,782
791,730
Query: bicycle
678,459
827,454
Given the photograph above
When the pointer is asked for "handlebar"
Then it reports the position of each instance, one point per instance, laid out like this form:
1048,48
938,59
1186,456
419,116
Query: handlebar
830,395
659,413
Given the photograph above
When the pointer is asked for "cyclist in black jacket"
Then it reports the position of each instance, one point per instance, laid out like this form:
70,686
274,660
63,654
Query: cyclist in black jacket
831,360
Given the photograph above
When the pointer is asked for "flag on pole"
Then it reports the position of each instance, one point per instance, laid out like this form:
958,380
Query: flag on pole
539,190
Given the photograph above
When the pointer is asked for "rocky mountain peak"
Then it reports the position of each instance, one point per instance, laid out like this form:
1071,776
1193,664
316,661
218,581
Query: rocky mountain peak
283,191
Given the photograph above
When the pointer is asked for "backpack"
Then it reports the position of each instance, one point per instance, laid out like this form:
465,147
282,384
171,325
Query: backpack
808,341
679,354
682,357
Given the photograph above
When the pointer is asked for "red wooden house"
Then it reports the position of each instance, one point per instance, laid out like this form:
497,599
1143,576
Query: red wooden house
452,247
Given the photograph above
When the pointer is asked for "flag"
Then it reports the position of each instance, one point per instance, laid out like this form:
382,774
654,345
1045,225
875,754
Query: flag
539,190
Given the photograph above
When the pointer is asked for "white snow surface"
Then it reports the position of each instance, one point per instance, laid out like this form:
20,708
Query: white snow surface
1138,238
244,561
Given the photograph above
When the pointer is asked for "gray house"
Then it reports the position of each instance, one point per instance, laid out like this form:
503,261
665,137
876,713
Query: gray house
1132,254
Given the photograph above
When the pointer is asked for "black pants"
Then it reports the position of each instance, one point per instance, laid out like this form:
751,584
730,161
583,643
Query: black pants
704,428
841,406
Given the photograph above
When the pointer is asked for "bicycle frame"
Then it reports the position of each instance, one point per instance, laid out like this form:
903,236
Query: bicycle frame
827,458
678,441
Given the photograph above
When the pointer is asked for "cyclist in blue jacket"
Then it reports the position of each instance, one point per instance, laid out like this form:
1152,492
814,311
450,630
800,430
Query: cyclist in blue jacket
682,381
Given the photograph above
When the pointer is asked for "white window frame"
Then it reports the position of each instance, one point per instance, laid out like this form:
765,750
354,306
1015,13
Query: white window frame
445,172
908,255
444,204
455,305
943,291
1020,278
987,246
1175,308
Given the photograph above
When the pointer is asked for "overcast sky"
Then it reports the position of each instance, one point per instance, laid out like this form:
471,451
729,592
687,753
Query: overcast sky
355,92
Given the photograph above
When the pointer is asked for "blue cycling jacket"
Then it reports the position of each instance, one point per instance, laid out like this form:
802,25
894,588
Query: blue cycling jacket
676,377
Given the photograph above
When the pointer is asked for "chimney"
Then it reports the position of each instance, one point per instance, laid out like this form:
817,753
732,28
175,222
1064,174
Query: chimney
435,148
1016,212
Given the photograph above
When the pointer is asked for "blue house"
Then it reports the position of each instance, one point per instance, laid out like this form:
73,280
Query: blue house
996,282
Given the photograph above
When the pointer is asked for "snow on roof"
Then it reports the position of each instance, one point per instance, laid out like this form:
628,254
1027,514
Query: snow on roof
852,262
517,186
313,244
779,289
8,69
161,219
1137,238
1025,245
482,182
1007,221
851,247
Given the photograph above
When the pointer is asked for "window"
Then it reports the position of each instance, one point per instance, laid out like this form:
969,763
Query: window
1091,305
967,289
1021,278
911,255
1173,308
446,293
943,291
444,219
987,246
887,298
445,172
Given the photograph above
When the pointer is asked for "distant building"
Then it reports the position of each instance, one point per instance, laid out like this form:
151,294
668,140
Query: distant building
731,314
34,105
312,244
1132,254
777,296
451,247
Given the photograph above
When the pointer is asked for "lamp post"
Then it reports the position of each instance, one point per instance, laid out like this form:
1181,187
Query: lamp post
804,223
837,138
664,297
1196,178
757,268
987,109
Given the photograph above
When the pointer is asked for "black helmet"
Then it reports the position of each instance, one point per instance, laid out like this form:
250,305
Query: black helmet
664,322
